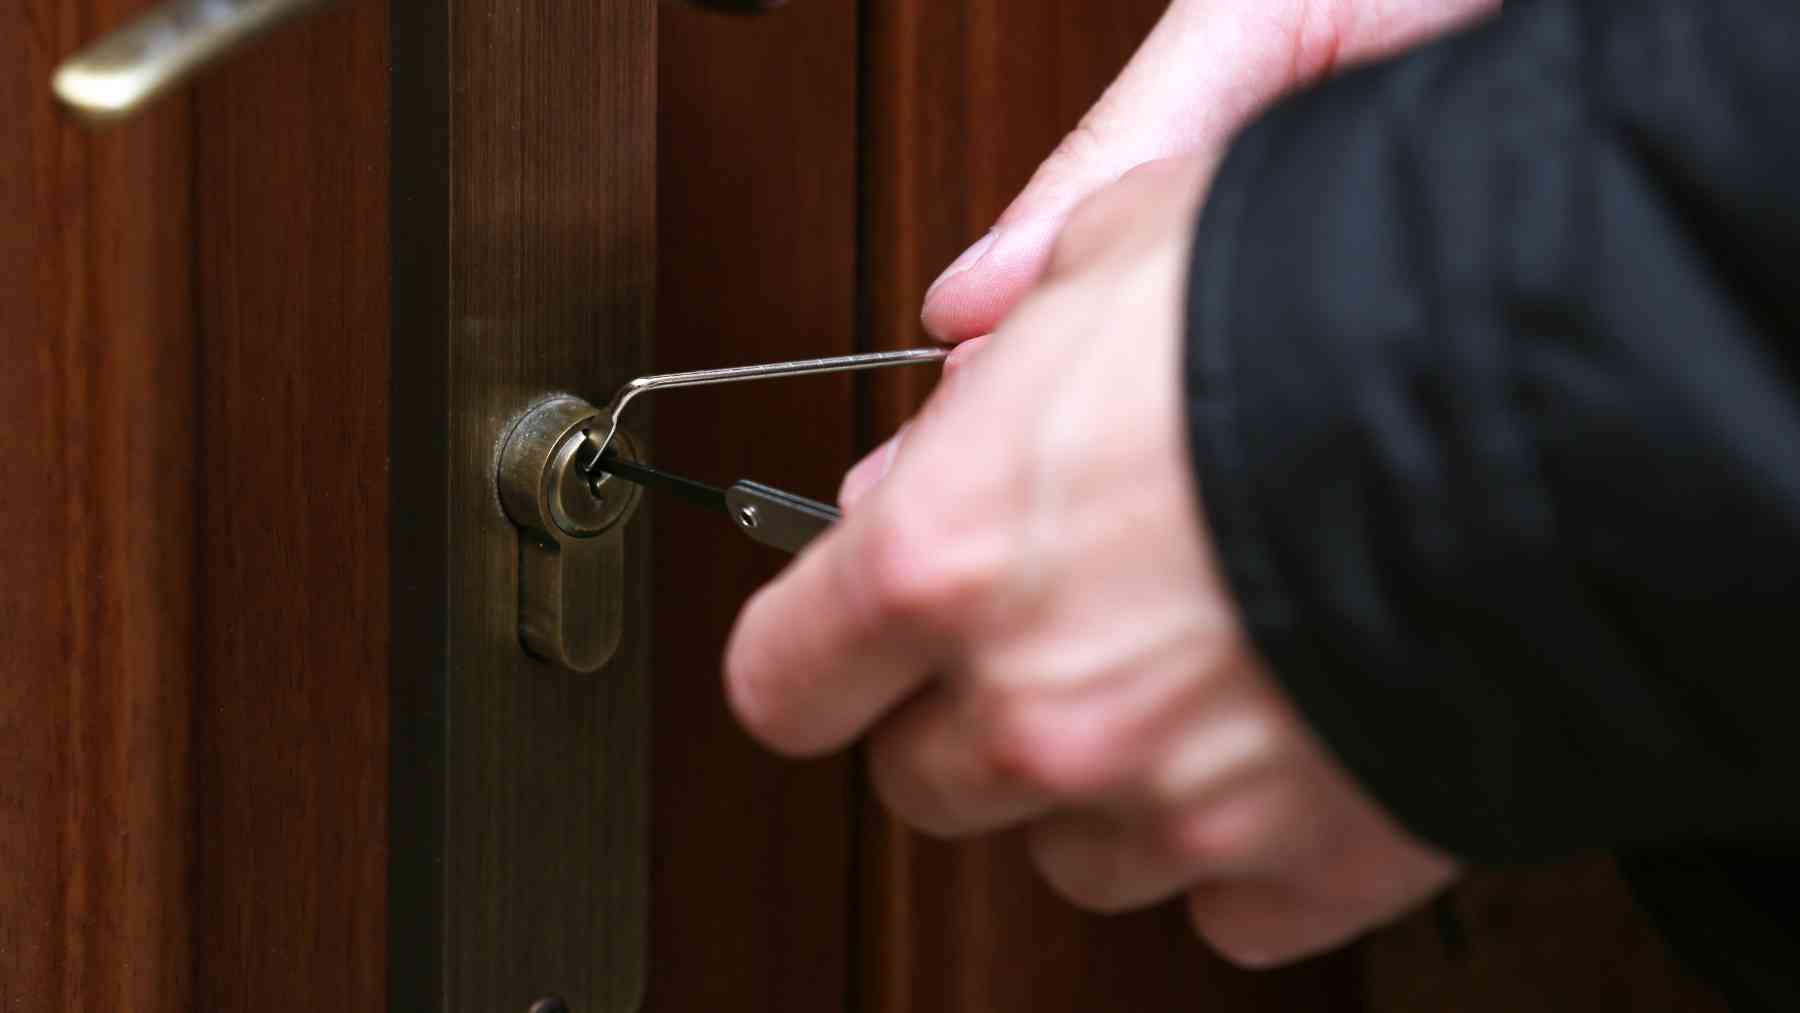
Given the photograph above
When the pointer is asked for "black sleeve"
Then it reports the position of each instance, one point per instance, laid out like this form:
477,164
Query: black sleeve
1494,385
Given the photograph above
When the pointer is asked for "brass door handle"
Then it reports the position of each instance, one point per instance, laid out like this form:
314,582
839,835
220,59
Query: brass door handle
160,49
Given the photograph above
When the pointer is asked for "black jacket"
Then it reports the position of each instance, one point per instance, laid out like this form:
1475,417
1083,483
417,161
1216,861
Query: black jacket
1494,386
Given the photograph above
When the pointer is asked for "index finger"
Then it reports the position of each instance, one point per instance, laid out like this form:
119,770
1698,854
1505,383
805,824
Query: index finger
832,644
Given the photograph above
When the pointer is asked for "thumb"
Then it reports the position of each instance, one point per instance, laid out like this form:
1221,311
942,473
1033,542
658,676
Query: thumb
1183,93
1205,69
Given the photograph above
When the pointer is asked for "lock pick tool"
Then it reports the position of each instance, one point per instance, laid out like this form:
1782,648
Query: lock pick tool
768,515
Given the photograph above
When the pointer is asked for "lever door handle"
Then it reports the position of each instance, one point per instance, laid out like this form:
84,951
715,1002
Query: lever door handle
160,49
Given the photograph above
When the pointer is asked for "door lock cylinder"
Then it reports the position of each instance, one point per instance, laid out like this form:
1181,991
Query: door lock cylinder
571,532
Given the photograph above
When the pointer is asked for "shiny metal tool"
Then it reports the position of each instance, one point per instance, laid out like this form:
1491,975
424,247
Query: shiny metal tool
770,516
767,515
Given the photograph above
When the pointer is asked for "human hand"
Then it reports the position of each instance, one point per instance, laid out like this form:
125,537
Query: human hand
1206,69
1024,616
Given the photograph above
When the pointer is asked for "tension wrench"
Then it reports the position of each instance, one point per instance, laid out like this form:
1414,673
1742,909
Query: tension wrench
768,515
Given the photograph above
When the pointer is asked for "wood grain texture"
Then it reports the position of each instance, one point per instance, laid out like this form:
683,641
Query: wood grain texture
961,101
291,186
96,634
753,858
525,263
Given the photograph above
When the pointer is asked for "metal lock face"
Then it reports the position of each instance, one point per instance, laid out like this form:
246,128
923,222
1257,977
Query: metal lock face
571,533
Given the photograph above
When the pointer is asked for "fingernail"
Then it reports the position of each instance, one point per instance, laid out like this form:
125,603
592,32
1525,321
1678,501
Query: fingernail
970,257
869,472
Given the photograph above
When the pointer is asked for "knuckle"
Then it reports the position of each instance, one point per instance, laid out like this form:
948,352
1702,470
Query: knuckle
1021,751
1030,746
1240,743
1215,839
1064,173
1088,142
905,576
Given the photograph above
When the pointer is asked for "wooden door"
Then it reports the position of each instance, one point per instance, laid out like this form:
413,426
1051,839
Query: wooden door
193,622
242,413
818,167
214,653
96,690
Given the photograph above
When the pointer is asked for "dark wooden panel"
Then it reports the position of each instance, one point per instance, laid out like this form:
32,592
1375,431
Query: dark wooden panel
525,262
962,100
291,189
752,855
97,510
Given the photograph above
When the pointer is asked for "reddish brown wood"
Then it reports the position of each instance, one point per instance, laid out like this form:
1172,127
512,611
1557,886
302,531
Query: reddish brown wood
96,636
963,99
292,185
751,855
